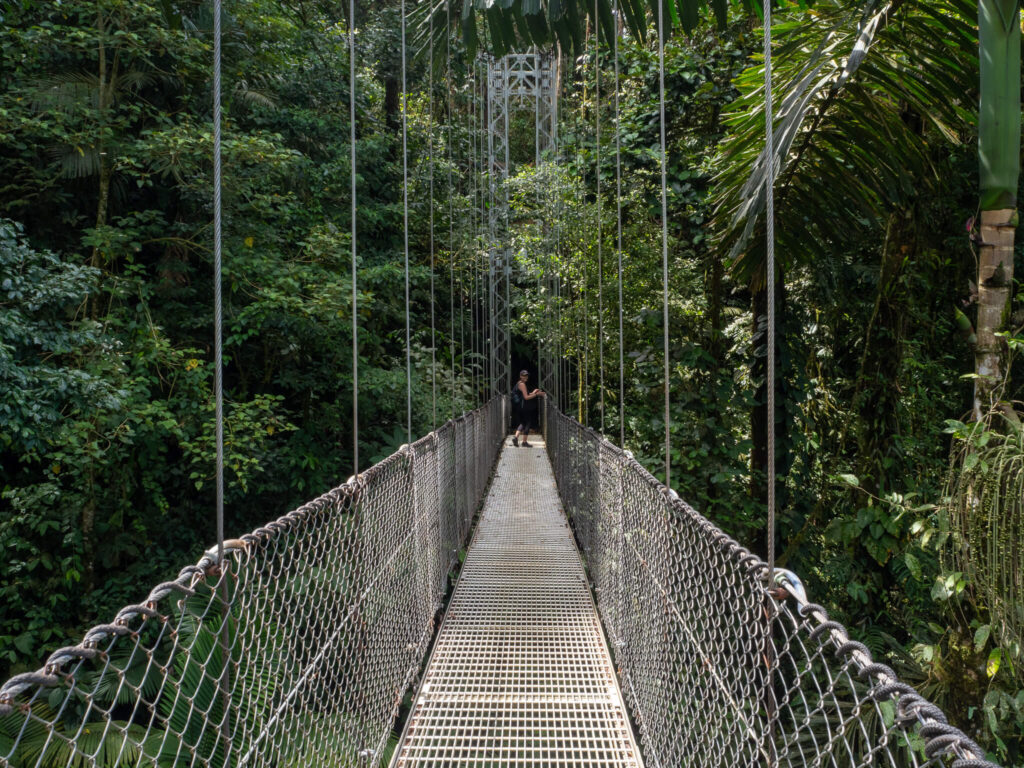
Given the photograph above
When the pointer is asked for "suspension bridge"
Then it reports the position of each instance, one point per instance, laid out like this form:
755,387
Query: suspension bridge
597,619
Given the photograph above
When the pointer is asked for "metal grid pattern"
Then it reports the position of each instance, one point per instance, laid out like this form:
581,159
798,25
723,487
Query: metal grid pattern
717,669
520,674
295,651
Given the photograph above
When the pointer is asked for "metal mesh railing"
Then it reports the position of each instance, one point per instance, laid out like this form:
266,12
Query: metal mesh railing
297,650
716,668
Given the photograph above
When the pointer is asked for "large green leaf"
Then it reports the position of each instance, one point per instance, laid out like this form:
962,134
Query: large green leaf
999,122
846,79
518,24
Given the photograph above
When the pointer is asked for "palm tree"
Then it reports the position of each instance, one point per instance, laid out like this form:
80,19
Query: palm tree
999,173
864,95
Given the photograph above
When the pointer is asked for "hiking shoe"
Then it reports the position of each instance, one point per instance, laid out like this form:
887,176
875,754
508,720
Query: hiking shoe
526,444
515,441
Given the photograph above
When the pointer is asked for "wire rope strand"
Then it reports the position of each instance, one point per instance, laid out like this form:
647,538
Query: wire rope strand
771,705
770,275
467,221
477,226
618,228
352,194
471,163
586,289
664,234
480,361
405,232
430,167
218,307
224,682
600,211
451,202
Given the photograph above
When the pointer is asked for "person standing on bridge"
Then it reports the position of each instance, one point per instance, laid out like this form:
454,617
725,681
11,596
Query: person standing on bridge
525,402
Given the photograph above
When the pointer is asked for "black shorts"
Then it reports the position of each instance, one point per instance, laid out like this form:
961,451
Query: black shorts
527,419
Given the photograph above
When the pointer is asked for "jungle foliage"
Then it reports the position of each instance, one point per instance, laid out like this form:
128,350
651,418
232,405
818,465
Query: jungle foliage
874,363
106,433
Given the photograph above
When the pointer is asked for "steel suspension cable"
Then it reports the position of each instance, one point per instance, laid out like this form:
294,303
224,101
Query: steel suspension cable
430,166
405,231
224,682
478,219
558,362
352,194
472,215
584,379
618,227
218,308
451,203
465,221
600,211
770,287
478,371
544,282
664,233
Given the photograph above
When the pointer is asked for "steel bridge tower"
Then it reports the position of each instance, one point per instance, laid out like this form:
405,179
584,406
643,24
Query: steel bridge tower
518,81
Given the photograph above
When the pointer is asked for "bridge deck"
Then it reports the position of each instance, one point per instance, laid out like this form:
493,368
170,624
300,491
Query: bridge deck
520,674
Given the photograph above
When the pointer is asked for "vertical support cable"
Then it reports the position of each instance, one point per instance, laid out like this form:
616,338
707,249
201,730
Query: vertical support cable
506,262
405,228
474,177
664,233
218,309
771,705
430,166
352,195
476,340
600,234
451,195
618,232
585,391
487,278
467,221
769,184
224,682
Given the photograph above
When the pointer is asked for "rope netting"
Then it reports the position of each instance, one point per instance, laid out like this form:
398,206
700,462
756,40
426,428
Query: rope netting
296,650
714,669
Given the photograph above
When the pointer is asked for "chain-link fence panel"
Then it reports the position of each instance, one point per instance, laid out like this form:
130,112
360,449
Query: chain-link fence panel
718,666
295,650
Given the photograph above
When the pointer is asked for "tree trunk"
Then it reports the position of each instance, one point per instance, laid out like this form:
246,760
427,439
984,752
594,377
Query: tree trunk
995,282
999,173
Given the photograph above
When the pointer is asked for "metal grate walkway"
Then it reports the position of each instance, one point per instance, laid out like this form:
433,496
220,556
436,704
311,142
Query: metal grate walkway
520,674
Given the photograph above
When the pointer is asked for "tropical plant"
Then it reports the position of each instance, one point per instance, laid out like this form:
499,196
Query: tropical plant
862,92
518,24
999,174
986,509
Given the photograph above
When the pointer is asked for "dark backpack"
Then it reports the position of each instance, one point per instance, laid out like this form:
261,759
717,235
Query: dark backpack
517,397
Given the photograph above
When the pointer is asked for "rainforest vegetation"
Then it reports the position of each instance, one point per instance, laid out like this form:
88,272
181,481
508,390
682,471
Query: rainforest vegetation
901,468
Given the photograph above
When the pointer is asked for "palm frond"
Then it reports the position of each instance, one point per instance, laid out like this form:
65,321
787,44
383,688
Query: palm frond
254,96
64,91
846,79
500,26
78,161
